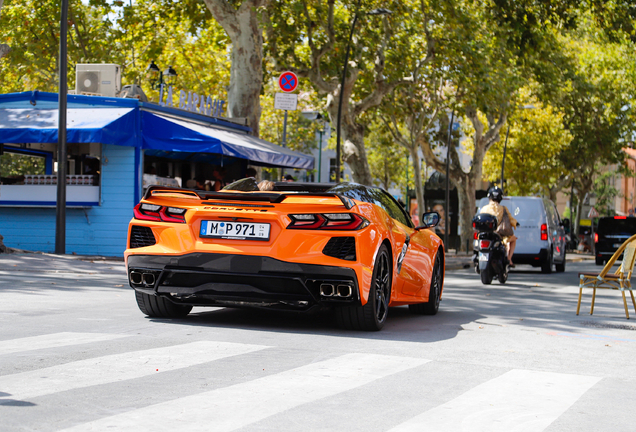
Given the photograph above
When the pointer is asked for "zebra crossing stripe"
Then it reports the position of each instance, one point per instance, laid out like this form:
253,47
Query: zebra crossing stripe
230,408
117,367
519,400
54,340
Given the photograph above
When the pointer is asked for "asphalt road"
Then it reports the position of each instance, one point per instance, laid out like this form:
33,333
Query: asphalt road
77,354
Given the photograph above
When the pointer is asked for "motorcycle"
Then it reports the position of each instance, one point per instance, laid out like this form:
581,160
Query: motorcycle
491,257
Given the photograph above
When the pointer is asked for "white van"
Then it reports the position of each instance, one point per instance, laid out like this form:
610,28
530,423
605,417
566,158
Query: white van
541,237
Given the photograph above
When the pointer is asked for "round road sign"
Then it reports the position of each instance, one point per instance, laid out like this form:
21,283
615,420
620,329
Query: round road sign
288,82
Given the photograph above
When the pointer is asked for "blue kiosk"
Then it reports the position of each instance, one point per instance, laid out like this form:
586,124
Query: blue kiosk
116,147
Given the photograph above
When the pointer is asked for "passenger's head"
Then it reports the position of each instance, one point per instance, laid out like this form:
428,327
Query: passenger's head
200,182
250,172
495,194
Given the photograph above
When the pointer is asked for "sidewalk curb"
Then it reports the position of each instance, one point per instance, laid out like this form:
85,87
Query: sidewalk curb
13,251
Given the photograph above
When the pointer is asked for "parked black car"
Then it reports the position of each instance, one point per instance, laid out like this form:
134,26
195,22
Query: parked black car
610,234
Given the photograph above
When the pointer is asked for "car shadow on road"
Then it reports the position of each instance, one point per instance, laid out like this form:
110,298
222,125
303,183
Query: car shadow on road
401,325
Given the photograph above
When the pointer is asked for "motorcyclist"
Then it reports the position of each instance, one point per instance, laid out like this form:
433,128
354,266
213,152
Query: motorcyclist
494,207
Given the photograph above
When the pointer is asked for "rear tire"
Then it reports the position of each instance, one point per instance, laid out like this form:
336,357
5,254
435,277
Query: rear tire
435,291
486,276
503,276
160,307
560,268
546,266
371,316
599,261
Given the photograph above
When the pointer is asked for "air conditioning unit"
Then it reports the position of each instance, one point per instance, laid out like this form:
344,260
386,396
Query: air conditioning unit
98,79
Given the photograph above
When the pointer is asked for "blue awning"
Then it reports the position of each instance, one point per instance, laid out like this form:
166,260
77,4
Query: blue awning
32,117
83,125
160,132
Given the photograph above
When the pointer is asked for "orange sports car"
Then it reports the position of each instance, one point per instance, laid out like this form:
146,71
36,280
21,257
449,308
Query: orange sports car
301,246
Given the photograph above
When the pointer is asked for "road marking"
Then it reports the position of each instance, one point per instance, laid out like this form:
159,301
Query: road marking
54,340
519,400
117,367
230,408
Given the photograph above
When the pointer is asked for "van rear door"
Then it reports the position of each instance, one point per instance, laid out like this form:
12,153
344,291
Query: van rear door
530,214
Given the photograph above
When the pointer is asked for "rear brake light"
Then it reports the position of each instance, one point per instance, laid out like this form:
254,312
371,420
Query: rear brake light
172,214
475,235
620,217
153,212
328,221
484,244
595,237
544,232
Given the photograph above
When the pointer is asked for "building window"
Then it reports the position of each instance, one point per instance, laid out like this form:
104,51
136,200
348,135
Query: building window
16,163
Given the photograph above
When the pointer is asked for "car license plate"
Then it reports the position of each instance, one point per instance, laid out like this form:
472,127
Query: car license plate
483,256
234,230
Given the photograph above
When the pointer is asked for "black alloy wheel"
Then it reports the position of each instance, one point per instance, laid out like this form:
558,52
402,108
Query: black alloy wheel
372,316
435,292
382,285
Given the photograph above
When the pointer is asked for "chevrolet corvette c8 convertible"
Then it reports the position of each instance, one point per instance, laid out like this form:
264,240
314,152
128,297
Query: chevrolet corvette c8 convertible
302,246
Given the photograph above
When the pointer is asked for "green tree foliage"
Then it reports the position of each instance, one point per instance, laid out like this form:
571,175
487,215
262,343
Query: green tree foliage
605,193
387,161
31,28
178,34
596,97
310,37
536,142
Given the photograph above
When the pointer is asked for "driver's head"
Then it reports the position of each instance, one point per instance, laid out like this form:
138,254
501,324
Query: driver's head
495,194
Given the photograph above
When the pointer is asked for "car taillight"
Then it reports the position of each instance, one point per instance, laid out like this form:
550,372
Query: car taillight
620,217
328,221
484,244
475,235
595,237
153,212
544,232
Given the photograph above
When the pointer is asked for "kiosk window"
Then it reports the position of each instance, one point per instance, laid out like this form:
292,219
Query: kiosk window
14,165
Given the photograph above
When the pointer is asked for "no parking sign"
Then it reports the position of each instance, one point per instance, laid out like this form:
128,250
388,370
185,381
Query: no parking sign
288,81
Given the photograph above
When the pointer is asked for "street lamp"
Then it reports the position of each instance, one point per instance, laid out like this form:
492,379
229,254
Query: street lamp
379,11
157,79
503,160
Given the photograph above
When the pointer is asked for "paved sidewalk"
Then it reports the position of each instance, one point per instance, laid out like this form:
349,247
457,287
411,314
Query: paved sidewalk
33,262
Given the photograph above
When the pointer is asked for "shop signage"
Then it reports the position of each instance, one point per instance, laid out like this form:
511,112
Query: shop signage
192,102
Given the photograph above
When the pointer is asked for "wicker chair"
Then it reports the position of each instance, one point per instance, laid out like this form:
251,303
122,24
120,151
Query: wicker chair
620,280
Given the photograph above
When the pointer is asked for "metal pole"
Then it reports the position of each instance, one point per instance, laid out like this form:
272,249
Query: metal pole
320,154
447,210
60,206
503,161
285,130
406,196
342,83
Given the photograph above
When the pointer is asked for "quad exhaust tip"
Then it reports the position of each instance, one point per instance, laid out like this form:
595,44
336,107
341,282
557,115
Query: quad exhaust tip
327,290
330,290
143,278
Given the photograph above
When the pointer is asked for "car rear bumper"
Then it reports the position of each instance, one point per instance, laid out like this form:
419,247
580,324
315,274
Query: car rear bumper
531,259
209,279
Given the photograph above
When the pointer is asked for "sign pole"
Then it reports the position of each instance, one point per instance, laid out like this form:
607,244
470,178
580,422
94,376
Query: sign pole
285,130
